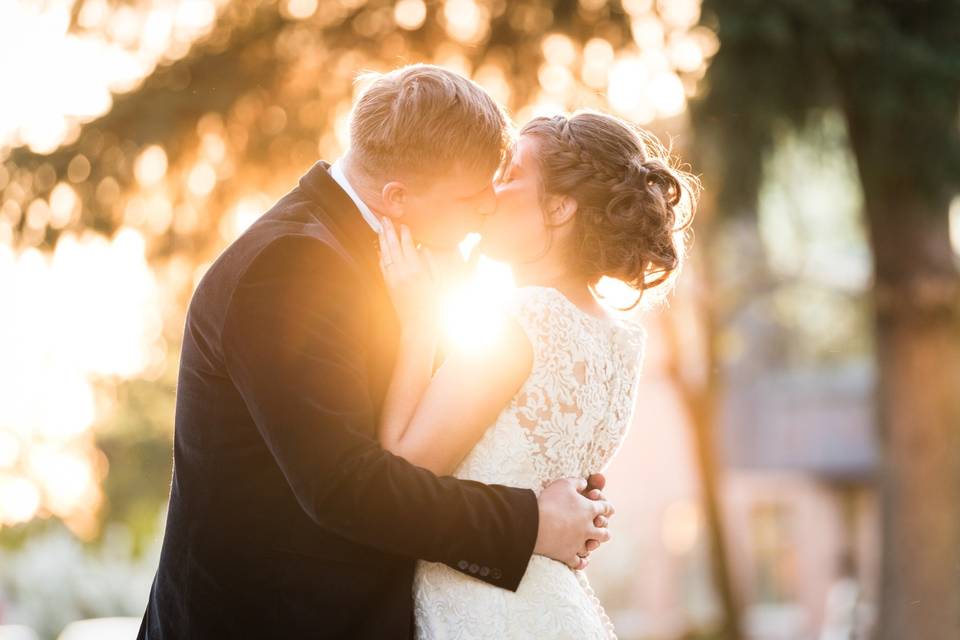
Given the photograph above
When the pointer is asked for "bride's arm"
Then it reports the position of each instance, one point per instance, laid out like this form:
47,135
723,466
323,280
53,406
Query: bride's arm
449,414
411,376
433,422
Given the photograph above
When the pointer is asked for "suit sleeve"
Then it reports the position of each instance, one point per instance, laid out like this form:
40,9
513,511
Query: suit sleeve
294,351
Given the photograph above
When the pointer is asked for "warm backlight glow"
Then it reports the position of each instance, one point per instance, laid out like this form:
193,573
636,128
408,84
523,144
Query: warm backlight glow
19,499
84,313
72,79
410,14
473,314
615,294
87,311
466,20
680,527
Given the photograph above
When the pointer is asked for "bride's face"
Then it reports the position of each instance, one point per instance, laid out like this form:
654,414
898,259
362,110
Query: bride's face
517,231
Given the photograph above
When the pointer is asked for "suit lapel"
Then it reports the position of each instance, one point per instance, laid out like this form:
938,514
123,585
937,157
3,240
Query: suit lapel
350,227
346,222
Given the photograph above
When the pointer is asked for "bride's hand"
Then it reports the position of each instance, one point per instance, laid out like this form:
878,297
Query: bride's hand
409,277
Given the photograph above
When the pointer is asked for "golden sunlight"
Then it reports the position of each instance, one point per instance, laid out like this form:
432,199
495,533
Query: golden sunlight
410,14
19,499
472,314
681,526
466,21
89,310
615,294
73,81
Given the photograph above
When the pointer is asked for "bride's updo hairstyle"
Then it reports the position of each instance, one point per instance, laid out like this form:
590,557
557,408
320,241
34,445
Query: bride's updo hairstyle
633,206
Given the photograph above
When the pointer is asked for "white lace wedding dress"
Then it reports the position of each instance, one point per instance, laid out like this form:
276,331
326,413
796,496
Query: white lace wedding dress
567,420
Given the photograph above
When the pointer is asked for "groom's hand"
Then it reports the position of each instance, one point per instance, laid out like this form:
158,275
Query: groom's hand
567,522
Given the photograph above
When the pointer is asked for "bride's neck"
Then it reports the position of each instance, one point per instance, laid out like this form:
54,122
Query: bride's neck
556,275
550,275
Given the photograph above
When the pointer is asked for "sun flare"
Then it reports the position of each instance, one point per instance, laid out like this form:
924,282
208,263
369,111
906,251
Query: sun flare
473,313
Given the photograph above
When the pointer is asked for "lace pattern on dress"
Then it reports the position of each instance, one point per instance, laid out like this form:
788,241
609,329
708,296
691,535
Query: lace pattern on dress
568,420
577,403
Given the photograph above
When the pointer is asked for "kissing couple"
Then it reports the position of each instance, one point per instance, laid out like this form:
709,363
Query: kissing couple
333,476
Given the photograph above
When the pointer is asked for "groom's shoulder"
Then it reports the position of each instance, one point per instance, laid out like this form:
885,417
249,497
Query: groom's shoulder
289,244
294,232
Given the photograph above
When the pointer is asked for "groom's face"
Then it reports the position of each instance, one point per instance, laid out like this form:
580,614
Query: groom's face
441,210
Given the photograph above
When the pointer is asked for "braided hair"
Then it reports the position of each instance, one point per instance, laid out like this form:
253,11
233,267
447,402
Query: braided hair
633,207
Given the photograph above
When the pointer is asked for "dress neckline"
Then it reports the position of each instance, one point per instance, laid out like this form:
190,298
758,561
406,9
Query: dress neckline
607,322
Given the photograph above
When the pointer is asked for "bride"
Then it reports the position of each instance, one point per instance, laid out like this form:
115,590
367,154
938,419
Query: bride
582,197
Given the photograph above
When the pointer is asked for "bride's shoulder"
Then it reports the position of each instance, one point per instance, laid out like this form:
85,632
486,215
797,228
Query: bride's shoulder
535,307
632,336
545,314
534,293
539,300
549,319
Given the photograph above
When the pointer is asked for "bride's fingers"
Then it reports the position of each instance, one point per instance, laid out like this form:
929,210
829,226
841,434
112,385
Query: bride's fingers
390,234
601,521
406,243
385,257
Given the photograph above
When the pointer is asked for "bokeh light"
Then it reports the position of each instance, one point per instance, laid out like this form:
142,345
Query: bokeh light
143,137
88,301
85,313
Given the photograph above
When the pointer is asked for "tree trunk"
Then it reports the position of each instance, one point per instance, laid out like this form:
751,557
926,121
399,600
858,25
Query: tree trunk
699,388
918,350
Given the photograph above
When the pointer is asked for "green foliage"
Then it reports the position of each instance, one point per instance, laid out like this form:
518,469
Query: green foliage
256,61
892,67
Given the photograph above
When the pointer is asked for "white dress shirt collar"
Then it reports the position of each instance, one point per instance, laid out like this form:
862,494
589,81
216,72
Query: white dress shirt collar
336,172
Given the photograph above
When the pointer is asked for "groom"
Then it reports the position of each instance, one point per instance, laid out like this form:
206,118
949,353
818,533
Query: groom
286,519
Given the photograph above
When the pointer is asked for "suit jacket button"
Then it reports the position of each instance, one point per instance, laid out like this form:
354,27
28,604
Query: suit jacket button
496,574
463,564
484,571
474,568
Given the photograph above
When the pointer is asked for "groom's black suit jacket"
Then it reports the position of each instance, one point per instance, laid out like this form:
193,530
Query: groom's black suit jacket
286,519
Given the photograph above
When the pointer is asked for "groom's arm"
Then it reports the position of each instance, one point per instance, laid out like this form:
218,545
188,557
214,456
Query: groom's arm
294,351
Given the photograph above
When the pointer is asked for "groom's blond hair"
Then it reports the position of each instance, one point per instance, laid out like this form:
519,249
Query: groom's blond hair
422,119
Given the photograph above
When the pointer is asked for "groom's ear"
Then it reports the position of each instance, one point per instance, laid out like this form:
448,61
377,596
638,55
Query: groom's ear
394,197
